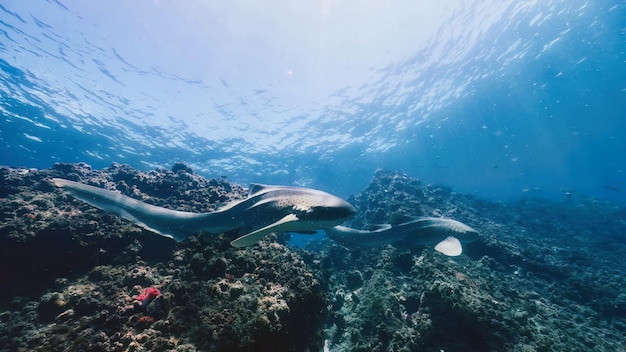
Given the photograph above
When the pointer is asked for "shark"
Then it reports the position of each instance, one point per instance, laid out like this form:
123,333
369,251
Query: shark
446,234
267,209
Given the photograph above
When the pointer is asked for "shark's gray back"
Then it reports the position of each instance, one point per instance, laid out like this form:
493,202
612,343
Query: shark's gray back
266,203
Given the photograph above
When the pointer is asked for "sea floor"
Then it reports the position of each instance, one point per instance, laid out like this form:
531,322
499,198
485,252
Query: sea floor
544,275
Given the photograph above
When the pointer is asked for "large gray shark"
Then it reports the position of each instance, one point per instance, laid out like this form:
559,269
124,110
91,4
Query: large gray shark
445,234
267,209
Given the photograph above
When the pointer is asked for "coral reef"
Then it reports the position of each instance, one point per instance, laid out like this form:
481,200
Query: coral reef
84,280
544,276
540,278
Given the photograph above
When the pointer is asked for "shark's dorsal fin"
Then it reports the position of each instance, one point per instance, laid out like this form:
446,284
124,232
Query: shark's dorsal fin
256,188
398,218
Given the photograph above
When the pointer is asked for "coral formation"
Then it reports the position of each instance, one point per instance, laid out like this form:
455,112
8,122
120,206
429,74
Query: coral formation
80,273
538,280
148,295
542,276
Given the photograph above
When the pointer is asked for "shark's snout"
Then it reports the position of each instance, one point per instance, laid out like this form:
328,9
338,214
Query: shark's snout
348,209
334,212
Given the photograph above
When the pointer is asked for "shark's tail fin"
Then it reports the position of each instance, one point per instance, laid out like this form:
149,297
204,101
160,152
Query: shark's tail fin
166,222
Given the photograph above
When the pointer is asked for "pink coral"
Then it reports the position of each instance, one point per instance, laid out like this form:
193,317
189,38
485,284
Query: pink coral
148,295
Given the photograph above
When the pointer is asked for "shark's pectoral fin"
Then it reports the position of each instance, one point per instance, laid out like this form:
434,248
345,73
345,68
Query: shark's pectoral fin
451,246
254,236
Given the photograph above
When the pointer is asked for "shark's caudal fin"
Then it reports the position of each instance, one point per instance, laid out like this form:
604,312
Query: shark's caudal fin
169,223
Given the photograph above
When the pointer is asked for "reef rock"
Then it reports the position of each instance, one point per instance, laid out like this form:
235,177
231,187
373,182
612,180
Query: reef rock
543,276
79,276
537,280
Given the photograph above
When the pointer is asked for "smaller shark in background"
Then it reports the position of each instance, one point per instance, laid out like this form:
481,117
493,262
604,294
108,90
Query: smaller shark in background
403,231
267,209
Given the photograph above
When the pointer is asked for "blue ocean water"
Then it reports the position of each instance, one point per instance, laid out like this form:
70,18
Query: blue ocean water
500,99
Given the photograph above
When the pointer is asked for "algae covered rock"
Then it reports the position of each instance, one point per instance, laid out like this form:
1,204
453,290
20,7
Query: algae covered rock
542,276
531,283
81,275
